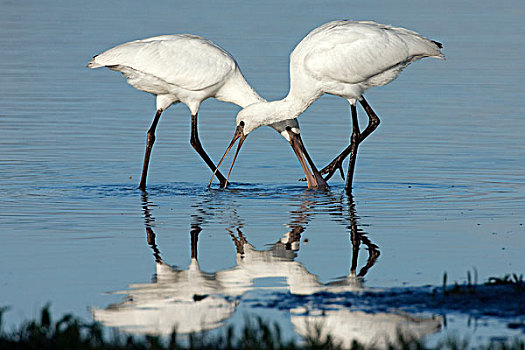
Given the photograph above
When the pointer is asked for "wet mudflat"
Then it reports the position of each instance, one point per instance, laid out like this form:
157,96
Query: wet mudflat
439,186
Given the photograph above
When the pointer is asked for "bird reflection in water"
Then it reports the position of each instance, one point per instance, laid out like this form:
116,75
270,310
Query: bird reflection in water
279,259
191,300
185,299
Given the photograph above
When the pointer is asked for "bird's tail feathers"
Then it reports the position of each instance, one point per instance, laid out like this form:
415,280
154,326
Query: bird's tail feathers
424,47
438,44
440,56
93,64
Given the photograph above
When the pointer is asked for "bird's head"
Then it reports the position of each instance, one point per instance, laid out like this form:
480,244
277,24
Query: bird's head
266,113
259,114
256,115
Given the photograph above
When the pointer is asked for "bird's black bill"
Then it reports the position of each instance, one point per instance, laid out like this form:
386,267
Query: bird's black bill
239,134
313,177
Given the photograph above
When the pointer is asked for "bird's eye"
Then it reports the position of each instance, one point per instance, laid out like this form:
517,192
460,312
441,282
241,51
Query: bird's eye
288,128
241,123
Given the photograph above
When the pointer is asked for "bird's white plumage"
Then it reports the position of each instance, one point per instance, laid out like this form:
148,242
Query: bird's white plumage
179,68
357,53
176,59
342,58
183,68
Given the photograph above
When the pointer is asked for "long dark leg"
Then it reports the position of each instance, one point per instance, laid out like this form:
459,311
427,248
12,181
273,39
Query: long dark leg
150,140
354,144
196,144
358,137
373,120
336,164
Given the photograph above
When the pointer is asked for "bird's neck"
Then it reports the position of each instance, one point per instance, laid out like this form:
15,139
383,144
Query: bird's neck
303,92
246,96
238,91
294,105
282,111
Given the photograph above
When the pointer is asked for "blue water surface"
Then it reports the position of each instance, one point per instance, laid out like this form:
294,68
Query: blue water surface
439,187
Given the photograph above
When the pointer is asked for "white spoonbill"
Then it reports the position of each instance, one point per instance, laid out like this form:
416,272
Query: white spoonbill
342,58
189,69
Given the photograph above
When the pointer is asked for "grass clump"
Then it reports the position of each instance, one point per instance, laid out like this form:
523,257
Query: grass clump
71,333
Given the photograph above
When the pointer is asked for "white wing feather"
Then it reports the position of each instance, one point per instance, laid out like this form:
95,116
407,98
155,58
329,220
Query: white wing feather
352,52
184,60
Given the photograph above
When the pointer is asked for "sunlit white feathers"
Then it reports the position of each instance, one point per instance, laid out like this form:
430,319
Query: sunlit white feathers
179,68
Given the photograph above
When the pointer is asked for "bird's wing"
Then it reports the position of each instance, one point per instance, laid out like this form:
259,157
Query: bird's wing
355,56
352,52
187,61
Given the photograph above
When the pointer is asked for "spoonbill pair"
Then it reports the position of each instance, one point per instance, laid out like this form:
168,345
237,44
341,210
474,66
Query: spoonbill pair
342,58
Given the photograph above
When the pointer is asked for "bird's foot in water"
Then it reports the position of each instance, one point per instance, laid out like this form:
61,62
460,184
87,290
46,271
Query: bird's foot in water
330,169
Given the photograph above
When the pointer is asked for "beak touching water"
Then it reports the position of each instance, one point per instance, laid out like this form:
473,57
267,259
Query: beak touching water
239,134
313,177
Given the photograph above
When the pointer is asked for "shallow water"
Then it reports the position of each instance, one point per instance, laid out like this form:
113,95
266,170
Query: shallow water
439,186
